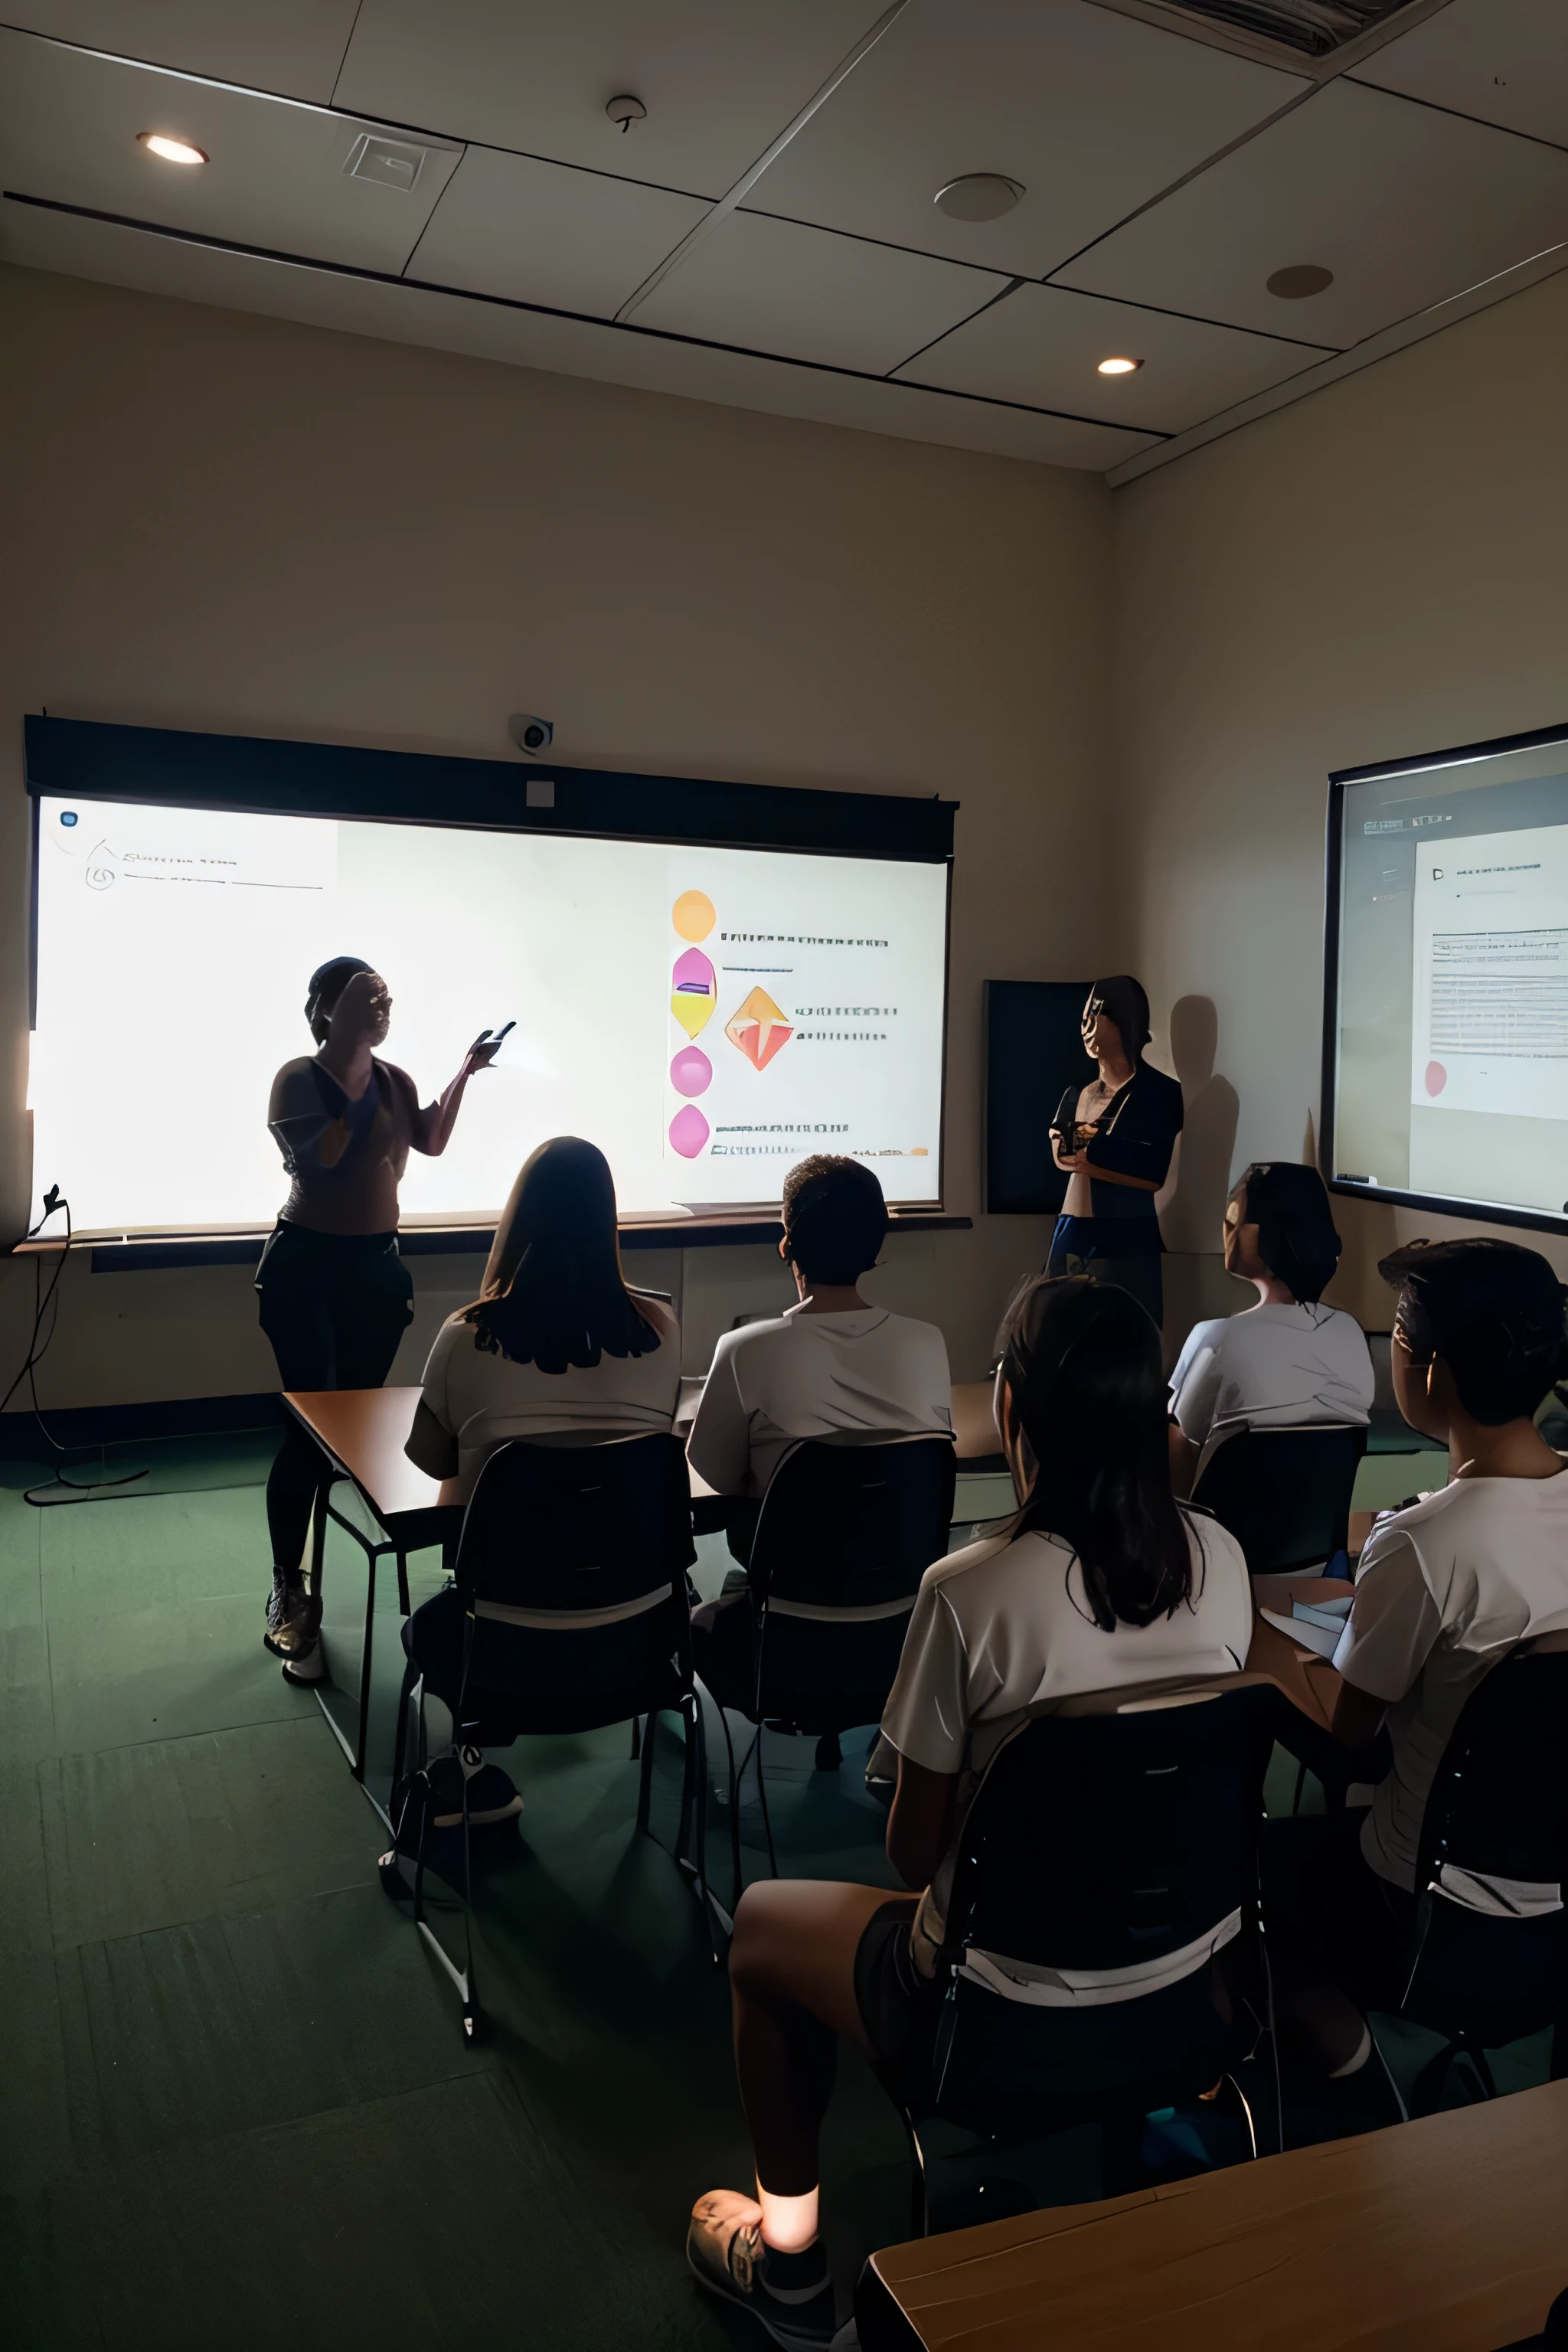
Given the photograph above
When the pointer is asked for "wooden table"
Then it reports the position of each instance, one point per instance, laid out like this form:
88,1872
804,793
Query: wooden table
363,1432
1444,2235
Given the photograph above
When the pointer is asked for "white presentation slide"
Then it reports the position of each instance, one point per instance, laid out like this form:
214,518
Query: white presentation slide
1490,974
707,1016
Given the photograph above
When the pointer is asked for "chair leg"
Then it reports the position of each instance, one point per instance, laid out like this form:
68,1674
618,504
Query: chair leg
644,1778
762,1801
361,1734
1559,2051
637,1736
403,1584
919,2185
697,1757
1301,1784
829,1754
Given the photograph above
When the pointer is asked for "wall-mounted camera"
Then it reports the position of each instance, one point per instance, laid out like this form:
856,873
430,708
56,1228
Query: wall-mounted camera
530,734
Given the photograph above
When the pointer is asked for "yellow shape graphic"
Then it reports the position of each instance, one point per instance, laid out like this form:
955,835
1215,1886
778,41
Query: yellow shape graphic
693,1012
758,1029
693,914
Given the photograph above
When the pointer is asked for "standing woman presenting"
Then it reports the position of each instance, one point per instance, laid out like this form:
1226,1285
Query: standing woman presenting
335,1295
1114,1140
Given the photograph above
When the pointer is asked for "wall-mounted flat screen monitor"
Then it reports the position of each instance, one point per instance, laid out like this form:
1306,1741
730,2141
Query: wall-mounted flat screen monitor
1446,1030
706,1012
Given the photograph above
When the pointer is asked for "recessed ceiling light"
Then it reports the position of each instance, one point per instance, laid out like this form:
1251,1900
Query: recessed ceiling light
173,150
978,196
1119,367
1303,277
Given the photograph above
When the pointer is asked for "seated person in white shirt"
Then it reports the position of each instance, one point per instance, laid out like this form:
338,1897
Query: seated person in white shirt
831,1366
557,1344
557,1340
1290,1362
1102,1578
1447,1588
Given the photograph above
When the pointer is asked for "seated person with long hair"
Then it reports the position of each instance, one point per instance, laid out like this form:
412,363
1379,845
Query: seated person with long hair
1290,1362
1447,1588
1102,1578
556,1344
835,1364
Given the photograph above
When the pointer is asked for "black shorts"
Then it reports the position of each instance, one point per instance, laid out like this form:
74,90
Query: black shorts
899,2007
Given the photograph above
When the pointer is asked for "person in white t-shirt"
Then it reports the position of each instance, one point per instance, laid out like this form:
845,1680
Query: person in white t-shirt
557,1344
833,1366
1447,1589
1103,1578
1290,1362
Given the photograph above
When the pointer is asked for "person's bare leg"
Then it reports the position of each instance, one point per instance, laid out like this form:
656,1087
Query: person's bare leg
792,1979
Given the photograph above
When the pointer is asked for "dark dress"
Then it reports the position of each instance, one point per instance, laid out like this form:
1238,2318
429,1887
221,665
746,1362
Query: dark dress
1120,1242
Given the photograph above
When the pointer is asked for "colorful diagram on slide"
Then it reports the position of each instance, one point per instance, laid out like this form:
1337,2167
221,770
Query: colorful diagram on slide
694,992
758,1029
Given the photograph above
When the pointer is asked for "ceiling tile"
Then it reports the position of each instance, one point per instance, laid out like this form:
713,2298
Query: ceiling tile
772,286
292,45
537,232
719,81
455,322
1504,61
1043,346
1407,205
1092,111
276,177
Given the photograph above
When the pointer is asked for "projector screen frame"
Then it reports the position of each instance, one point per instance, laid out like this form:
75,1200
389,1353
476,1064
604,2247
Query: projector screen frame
1489,1212
175,767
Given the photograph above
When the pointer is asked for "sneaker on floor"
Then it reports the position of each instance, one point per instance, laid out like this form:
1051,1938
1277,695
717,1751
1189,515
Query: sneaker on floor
491,1794
293,1619
790,2296
305,1671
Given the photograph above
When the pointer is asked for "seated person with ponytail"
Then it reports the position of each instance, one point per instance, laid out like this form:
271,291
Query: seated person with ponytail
556,1345
1290,1362
1102,1578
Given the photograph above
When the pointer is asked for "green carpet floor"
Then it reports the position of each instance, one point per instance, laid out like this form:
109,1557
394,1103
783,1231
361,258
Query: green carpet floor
240,2108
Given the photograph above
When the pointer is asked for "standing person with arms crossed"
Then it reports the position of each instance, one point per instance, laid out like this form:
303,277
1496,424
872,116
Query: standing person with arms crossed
335,1297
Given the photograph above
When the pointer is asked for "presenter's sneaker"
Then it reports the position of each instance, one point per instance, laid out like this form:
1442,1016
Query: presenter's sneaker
293,1619
790,2296
491,1796
307,1672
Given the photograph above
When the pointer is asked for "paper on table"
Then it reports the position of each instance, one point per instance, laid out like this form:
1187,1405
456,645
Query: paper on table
1322,1640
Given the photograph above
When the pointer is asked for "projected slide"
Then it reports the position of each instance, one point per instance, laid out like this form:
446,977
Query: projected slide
1451,983
707,1016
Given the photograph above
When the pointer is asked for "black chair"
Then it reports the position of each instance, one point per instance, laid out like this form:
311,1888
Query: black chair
846,1532
1116,1833
1489,1958
553,1531
1284,1494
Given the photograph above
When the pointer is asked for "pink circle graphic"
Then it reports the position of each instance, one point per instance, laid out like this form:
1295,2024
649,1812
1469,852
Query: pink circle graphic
1436,1078
689,1131
693,974
691,1073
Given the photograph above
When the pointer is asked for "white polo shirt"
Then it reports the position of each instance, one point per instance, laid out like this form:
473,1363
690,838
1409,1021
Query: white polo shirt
814,1376
483,1399
1007,1623
1273,1368
1445,1589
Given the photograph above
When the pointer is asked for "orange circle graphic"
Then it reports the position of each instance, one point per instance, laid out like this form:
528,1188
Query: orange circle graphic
693,914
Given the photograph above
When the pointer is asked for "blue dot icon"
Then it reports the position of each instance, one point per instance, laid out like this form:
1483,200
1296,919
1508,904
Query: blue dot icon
68,816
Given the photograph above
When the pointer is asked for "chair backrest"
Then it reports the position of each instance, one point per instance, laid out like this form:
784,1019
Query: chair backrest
1498,1808
576,1527
1284,1494
854,1525
1108,1841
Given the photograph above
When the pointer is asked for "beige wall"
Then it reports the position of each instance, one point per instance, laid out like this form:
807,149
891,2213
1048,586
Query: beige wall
1382,569
216,520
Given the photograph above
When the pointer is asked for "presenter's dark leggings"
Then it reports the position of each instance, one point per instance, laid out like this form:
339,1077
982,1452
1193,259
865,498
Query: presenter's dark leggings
335,1307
